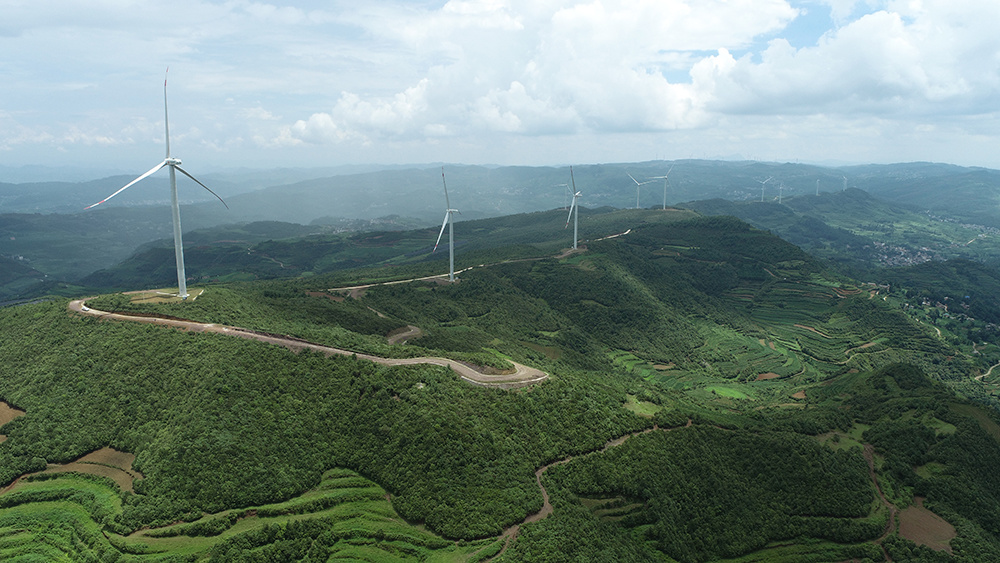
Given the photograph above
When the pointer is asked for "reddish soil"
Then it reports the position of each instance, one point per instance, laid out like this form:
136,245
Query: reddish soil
766,376
922,526
869,453
7,414
105,462
811,329
405,334
799,395
337,298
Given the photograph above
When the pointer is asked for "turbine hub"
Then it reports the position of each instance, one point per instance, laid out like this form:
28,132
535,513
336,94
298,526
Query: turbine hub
173,161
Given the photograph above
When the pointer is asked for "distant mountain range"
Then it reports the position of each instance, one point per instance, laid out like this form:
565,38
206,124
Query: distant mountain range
43,223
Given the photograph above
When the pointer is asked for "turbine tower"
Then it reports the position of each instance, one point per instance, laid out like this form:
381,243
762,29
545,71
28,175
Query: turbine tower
781,188
817,186
637,184
576,218
666,179
845,184
175,166
450,223
769,178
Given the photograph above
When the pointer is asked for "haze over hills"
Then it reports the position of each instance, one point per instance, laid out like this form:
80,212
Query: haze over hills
69,246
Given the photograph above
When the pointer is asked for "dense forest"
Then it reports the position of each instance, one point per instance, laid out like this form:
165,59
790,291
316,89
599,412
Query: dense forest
714,393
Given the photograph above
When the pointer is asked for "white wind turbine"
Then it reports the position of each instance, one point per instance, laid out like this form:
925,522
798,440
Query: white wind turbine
175,165
769,178
450,223
781,188
666,179
637,184
576,218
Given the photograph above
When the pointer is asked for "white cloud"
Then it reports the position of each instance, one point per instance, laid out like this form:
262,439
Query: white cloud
460,74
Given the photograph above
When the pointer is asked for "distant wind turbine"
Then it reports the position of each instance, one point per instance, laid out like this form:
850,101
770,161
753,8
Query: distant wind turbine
637,184
450,223
845,183
817,186
175,165
769,178
666,179
781,189
576,218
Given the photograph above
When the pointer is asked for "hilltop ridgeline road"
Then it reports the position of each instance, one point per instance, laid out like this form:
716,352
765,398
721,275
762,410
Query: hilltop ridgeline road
522,376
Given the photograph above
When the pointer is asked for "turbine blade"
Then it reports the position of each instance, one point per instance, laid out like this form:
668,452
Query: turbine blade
447,201
166,121
570,216
633,178
128,185
200,184
447,214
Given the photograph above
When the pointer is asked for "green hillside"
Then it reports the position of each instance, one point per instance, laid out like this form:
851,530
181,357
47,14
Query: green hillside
714,393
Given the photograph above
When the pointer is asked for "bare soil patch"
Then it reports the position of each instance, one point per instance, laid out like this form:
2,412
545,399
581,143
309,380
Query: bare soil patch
921,526
337,298
404,334
799,395
105,462
8,413
766,376
811,329
662,367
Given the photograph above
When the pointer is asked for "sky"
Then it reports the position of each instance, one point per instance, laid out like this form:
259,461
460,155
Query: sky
508,82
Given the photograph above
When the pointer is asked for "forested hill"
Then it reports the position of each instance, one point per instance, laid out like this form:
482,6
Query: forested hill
713,392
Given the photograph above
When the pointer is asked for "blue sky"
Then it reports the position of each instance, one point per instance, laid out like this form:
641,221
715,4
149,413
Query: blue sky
257,84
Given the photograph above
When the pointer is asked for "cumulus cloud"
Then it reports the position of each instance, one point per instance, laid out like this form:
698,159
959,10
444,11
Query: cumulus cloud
395,73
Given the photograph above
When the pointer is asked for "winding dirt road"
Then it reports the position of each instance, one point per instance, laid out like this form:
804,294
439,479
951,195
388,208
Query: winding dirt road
522,376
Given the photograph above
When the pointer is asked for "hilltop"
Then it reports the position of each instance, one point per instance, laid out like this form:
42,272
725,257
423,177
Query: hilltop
791,392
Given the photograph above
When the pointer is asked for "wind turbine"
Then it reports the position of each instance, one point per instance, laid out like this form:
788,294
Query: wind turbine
769,178
451,230
666,179
781,188
637,184
845,184
576,218
817,186
175,166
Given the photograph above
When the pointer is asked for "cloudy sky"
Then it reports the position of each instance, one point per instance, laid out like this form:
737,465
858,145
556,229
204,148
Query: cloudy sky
323,83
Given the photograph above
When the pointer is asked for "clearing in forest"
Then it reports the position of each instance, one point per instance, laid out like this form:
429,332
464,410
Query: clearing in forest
923,527
106,462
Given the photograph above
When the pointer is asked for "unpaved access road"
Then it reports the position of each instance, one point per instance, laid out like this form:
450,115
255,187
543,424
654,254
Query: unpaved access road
522,376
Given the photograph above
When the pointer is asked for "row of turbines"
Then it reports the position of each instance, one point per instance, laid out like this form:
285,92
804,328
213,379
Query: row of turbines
174,165
781,188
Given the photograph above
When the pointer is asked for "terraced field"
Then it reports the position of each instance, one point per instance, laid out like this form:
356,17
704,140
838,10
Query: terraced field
66,517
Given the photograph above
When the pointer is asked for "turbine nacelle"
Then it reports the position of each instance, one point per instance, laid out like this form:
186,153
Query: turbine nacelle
171,161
